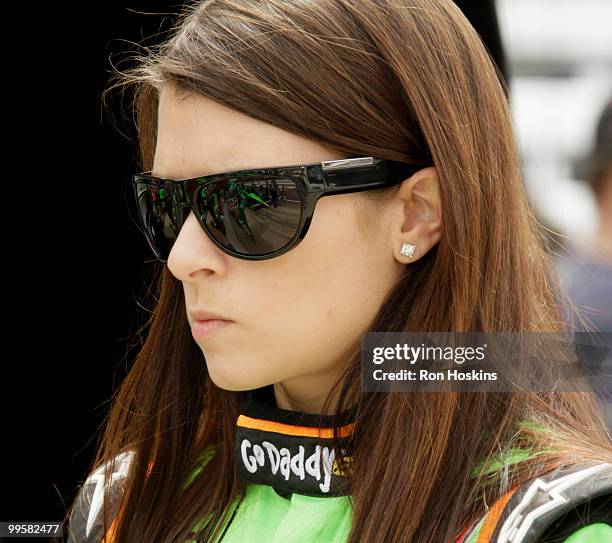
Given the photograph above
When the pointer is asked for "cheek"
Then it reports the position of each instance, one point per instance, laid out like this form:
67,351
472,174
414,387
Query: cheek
347,272
325,293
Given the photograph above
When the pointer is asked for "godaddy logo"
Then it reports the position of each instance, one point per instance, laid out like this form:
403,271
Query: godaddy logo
320,464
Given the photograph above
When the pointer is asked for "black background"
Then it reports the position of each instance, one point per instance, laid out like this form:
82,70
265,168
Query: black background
73,259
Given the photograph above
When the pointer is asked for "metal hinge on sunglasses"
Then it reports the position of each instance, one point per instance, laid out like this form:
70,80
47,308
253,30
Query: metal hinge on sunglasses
328,165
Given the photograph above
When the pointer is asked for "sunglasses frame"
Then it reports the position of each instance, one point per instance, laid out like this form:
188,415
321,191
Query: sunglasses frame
313,181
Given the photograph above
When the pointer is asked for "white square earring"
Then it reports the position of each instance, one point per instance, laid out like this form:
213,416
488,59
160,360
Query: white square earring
407,249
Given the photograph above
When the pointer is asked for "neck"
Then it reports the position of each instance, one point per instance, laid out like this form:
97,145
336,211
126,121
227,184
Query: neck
307,394
601,242
605,226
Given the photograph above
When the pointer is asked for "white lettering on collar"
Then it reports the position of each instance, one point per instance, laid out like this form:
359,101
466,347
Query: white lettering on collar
281,459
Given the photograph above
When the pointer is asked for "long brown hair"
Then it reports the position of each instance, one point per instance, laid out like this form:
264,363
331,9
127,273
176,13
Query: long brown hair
406,80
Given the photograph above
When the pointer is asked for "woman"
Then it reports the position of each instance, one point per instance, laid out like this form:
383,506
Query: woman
215,434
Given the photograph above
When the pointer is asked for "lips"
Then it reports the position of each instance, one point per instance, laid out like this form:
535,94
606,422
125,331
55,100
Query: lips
202,329
206,315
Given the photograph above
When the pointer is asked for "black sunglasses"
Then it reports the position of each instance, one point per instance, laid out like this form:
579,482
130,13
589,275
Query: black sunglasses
258,213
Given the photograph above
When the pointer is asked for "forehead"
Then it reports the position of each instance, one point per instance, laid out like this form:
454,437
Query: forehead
198,136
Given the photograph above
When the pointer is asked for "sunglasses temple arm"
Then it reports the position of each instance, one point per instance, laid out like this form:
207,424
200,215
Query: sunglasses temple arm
355,180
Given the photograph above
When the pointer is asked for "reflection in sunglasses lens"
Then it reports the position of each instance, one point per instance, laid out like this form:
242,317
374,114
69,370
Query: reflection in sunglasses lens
252,217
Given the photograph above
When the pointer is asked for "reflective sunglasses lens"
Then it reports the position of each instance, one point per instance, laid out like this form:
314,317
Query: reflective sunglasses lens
254,216
155,207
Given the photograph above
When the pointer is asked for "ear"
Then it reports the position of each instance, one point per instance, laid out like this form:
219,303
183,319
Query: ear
419,215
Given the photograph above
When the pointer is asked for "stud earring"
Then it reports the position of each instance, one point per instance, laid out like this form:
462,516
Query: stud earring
407,249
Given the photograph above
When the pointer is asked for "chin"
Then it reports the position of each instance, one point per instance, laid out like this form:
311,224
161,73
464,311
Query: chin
233,380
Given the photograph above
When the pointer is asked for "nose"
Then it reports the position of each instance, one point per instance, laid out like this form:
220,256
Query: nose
193,250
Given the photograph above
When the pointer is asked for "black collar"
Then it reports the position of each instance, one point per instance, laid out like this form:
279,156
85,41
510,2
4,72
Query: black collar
291,451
